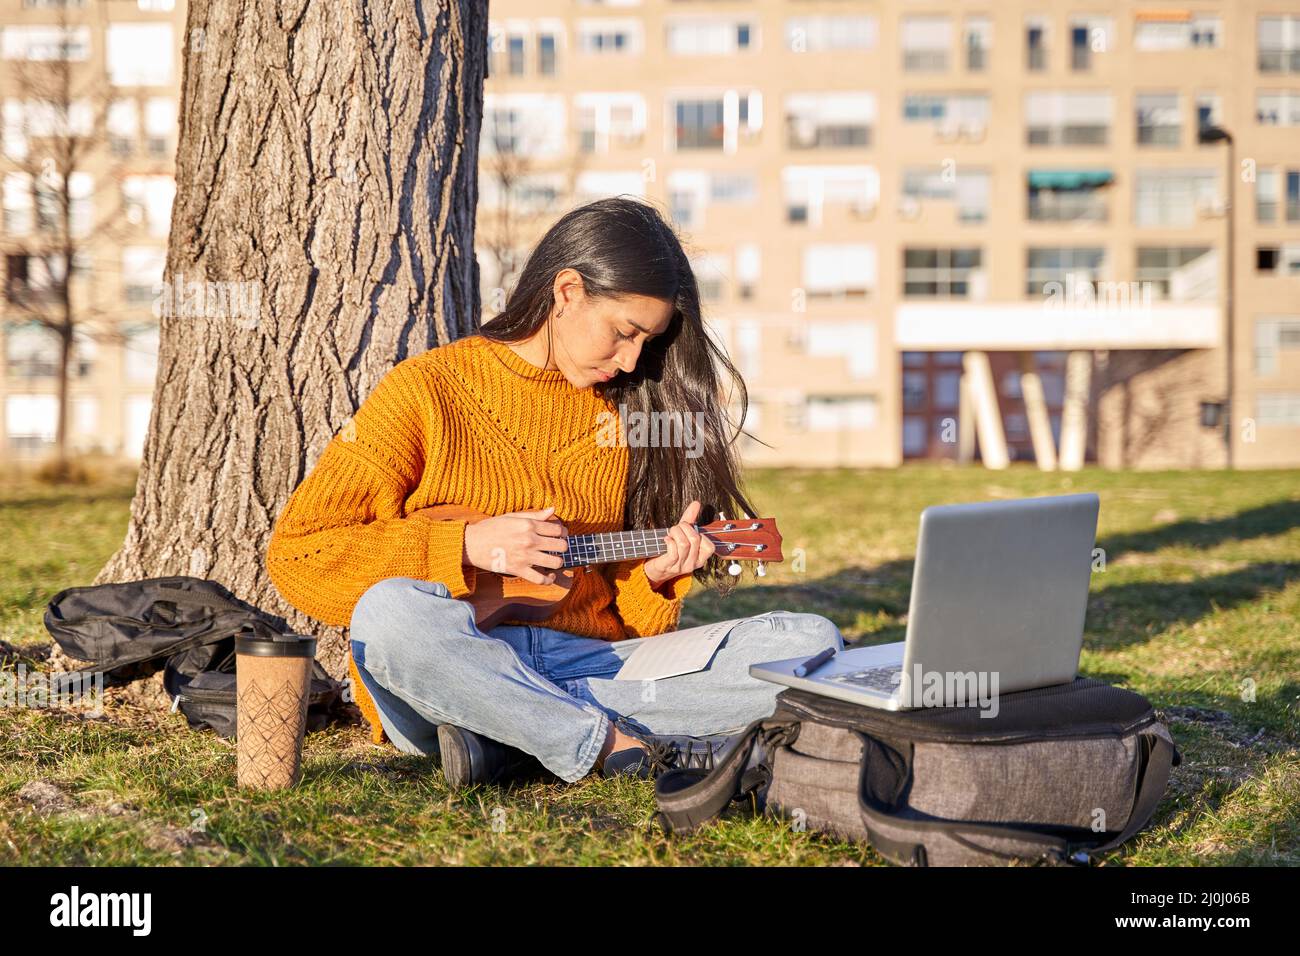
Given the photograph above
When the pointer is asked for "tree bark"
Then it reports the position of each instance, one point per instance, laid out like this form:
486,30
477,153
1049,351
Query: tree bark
327,166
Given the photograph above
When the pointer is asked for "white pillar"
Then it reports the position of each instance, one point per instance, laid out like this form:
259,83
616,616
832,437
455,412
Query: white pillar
988,419
1074,414
965,421
1040,425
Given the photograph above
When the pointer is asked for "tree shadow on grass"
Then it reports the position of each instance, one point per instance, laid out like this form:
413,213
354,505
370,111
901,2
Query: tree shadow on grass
1274,518
1125,615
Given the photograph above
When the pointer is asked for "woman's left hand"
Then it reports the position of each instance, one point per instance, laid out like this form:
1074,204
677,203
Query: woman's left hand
686,550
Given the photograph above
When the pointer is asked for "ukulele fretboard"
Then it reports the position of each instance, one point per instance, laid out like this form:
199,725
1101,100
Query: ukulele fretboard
611,546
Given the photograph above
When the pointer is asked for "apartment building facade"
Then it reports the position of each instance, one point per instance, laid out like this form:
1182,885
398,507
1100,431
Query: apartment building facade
122,64
917,223
913,223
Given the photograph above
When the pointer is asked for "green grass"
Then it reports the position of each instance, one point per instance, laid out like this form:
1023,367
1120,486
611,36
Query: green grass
1199,599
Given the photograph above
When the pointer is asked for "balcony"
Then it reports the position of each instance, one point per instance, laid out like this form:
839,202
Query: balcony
1116,320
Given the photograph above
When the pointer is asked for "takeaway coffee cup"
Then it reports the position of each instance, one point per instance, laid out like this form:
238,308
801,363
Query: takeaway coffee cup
273,685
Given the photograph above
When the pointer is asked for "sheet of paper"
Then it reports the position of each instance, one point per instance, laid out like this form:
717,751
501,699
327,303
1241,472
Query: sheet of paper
681,652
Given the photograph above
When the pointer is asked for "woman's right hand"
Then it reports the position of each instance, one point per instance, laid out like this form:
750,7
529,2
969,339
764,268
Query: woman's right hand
516,542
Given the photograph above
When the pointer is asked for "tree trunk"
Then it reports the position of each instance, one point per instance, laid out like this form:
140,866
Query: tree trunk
327,168
64,373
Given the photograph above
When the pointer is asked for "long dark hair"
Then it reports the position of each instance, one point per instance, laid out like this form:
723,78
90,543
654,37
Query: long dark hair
624,246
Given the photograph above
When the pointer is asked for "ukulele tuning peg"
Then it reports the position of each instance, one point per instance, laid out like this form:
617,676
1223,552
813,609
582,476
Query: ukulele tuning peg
761,570
733,568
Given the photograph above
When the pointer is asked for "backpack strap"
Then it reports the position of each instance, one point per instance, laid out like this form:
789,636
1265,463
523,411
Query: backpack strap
1160,756
688,797
205,599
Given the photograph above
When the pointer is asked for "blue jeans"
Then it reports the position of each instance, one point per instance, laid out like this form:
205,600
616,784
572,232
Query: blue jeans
550,693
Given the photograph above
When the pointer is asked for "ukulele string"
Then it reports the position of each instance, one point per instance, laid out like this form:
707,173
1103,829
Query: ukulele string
588,551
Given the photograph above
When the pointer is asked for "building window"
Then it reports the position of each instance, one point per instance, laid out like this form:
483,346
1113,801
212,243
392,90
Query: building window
1088,35
32,351
749,262
839,270
711,275
698,37
915,386
142,274
1281,260
940,272
1279,409
1278,41
1068,195
699,124
1158,119
808,190
692,191
1036,44
834,413
515,55
148,202
1181,273
1068,119
1064,266
31,421
951,114
141,354
1274,334
610,36
914,437
140,54
160,125
1080,48
43,43
967,188
815,34
1277,108
546,54
829,120
1208,112
853,342
1266,196
1177,31
607,119
977,39
716,123
926,44
1174,197
531,124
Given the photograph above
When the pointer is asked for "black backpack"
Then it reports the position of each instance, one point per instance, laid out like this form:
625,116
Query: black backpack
186,624
1059,774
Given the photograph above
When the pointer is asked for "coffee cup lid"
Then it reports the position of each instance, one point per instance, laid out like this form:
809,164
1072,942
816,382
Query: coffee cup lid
277,645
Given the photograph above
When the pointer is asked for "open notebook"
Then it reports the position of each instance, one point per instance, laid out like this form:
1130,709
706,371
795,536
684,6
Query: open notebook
679,652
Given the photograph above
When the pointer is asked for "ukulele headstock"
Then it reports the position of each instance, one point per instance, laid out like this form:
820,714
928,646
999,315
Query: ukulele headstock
744,539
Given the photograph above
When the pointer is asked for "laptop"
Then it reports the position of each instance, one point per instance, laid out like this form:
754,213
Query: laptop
999,596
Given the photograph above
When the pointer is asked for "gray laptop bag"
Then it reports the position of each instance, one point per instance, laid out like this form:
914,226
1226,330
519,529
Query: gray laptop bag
1057,774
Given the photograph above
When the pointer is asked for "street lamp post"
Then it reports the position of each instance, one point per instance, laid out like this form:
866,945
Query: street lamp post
1214,134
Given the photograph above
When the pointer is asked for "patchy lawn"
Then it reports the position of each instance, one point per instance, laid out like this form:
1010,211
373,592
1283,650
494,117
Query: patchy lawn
1198,608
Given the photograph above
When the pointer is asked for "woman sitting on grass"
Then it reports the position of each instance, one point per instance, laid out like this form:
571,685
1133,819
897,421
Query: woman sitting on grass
513,423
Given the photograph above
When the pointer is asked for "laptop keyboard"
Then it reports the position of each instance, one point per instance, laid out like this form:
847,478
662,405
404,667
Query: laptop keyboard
886,678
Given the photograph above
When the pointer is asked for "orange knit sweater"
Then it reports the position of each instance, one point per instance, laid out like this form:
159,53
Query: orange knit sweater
474,424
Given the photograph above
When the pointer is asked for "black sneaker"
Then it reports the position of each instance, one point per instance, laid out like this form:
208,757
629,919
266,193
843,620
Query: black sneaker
469,758
663,752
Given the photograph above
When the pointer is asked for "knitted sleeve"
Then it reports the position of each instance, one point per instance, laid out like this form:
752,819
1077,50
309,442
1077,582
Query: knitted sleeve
643,610
346,526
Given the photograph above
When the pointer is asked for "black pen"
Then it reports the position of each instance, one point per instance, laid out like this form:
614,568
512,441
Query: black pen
810,665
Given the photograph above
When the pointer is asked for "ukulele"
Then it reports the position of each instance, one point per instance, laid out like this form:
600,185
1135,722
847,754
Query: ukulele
497,596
